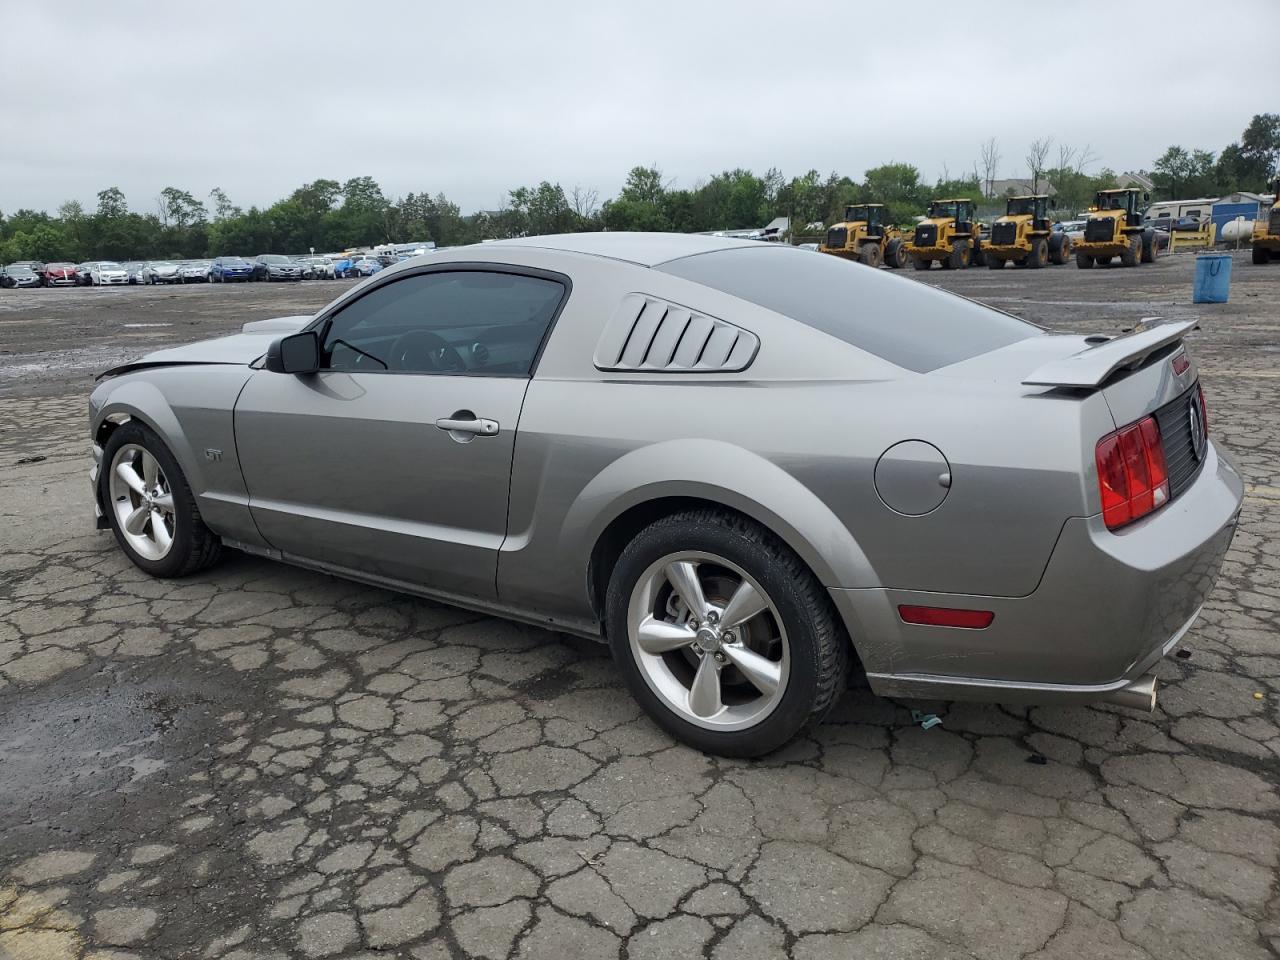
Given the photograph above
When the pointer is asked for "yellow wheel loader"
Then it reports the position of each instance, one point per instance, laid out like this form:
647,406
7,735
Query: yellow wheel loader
1114,229
1266,232
1025,235
864,235
949,233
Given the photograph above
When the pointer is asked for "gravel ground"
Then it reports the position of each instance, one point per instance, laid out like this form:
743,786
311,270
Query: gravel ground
264,762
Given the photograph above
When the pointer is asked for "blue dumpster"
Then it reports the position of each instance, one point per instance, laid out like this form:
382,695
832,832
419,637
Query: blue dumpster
1213,278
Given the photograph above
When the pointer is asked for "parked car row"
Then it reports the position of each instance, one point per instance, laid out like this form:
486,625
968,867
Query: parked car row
265,268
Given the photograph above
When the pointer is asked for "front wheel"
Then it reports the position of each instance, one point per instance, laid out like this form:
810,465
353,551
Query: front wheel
723,635
1261,255
150,506
1038,255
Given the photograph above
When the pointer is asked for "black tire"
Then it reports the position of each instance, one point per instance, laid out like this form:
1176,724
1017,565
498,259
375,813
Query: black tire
920,263
1102,261
1261,255
870,254
820,652
1059,248
994,262
978,257
1038,255
1132,253
958,259
195,546
895,254
1084,261
1148,247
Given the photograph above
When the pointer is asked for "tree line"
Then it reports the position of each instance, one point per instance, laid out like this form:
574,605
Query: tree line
326,215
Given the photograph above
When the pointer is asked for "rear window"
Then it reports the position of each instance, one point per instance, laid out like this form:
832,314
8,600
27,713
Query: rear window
903,321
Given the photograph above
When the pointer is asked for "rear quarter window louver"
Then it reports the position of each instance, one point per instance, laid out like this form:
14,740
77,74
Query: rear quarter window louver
649,334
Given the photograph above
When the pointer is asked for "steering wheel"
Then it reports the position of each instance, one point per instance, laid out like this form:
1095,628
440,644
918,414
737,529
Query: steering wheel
421,351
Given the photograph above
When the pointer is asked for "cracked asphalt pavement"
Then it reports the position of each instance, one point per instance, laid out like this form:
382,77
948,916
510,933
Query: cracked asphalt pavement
262,762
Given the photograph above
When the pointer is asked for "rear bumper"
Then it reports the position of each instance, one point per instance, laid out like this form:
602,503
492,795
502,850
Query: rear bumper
934,252
1101,248
1008,251
1108,607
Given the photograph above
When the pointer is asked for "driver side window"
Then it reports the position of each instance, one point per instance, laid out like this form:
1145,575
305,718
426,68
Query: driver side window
473,322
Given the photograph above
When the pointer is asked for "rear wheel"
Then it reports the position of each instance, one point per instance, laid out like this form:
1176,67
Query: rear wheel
1059,248
895,254
1102,261
150,505
921,263
722,634
959,258
1084,261
994,262
978,254
1148,247
1261,255
1038,255
870,254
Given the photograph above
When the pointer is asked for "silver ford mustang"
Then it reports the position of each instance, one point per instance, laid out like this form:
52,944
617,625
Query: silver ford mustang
746,466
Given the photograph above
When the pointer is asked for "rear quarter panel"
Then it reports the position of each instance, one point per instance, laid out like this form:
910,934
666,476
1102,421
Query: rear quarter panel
793,442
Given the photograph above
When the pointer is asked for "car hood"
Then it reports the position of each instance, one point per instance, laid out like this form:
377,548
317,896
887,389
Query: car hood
238,349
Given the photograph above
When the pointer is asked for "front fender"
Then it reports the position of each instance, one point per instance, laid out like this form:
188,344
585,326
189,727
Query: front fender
144,401
191,409
726,474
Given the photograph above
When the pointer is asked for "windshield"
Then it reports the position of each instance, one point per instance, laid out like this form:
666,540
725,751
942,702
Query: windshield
109,265
275,258
930,328
944,209
234,262
1112,201
21,268
857,213
1019,205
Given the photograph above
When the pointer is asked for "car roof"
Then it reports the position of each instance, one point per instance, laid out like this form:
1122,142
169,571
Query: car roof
644,249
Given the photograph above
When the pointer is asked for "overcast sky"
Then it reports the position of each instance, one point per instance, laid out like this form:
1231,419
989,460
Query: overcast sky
474,99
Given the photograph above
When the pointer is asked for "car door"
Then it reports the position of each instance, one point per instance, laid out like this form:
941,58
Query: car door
395,457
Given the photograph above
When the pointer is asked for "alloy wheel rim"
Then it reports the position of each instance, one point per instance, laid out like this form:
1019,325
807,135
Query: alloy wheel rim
142,502
709,641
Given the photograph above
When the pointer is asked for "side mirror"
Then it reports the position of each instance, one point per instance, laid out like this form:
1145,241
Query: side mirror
1053,204
1146,197
296,353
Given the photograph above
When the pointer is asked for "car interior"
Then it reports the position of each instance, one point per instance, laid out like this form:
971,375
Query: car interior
457,322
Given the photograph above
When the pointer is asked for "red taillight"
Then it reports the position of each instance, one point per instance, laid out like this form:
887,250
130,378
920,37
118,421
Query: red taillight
946,616
1132,477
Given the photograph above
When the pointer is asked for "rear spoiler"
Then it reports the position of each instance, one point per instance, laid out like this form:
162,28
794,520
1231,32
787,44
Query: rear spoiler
1092,366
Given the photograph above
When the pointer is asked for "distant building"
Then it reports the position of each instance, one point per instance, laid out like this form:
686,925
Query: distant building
1021,187
1237,206
1139,180
776,230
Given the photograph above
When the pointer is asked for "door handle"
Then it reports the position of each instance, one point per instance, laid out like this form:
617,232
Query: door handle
471,426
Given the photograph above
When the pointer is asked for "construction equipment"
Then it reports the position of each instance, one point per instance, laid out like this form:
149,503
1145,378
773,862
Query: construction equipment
1025,236
864,235
948,234
1266,233
1115,229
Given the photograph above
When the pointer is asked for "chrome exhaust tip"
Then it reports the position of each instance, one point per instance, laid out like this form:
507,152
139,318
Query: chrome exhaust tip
1139,695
